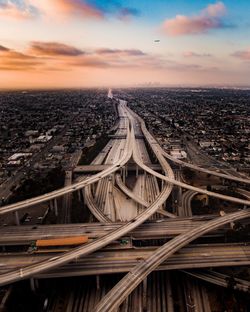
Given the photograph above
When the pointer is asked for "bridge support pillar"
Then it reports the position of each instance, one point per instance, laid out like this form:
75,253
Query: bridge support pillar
144,294
162,184
179,198
5,299
98,282
55,206
51,205
17,218
79,195
123,175
33,284
170,304
83,196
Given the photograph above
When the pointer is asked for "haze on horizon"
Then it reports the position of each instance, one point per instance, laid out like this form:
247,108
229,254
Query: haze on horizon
85,43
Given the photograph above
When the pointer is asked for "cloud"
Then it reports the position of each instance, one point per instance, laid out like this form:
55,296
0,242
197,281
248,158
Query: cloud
14,60
54,49
26,9
58,9
69,8
128,52
209,18
112,58
194,54
2,48
43,55
20,10
55,56
243,55
215,10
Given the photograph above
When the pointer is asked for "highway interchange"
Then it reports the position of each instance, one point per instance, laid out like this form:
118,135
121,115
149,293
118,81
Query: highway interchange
106,193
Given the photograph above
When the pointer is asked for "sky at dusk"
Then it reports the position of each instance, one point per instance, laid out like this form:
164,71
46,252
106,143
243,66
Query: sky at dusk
77,43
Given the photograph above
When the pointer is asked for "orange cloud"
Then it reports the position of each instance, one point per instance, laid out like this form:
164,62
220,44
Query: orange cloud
53,56
209,18
54,49
2,48
13,60
60,9
66,8
26,9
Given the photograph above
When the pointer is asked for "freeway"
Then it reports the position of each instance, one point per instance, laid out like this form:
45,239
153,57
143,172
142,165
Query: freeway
32,270
127,284
25,235
107,203
121,259
159,229
100,204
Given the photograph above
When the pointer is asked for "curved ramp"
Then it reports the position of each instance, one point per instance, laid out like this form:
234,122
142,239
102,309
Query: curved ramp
138,199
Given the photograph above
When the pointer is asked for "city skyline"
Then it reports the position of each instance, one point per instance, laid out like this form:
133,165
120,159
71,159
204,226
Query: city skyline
76,43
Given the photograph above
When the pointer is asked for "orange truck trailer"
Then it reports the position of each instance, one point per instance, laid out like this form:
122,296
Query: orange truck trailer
65,241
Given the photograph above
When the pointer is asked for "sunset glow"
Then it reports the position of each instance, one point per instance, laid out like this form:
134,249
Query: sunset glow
76,43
